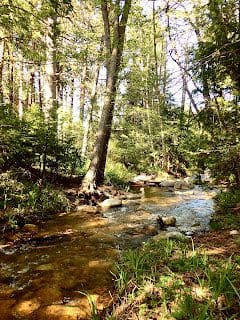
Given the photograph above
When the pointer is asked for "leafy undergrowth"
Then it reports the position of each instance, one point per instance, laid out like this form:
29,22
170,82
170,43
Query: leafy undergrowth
22,200
228,213
171,279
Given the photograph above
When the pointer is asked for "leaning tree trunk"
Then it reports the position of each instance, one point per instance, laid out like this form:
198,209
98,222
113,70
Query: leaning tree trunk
114,49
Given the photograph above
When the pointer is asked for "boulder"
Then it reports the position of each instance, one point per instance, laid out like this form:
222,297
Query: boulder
163,222
142,178
167,183
169,221
111,203
182,185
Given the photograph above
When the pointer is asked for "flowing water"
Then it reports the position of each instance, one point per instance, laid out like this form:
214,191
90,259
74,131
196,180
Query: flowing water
46,276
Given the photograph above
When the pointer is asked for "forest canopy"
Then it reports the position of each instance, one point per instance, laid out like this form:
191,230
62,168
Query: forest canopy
168,102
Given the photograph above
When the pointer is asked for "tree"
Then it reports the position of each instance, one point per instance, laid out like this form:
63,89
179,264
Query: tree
114,42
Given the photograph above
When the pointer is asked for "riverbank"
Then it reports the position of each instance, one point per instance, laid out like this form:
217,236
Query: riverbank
175,279
182,279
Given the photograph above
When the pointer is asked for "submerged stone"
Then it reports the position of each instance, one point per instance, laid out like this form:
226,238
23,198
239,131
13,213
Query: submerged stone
169,235
88,209
133,196
26,308
29,227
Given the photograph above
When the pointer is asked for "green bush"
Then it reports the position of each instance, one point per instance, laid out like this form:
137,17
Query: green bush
22,200
117,174
228,200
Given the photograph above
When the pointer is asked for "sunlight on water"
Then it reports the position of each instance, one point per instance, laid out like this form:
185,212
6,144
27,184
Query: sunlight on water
45,277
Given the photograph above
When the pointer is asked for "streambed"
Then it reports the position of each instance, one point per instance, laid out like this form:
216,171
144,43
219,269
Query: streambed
46,276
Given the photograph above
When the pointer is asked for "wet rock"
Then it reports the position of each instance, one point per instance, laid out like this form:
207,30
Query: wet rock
111,203
169,235
26,308
133,196
186,192
160,223
88,209
163,222
169,221
30,228
147,230
131,202
150,230
142,178
167,184
189,233
234,232
182,185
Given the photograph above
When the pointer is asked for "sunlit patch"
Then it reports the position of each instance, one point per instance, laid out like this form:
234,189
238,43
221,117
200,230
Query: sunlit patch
65,312
46,267
100,264
95,223
26,308
215,251
200,293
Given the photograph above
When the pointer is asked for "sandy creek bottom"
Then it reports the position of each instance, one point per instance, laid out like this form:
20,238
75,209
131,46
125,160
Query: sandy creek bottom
44,277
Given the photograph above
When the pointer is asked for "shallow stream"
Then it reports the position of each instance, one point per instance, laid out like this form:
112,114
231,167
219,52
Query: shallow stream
46,276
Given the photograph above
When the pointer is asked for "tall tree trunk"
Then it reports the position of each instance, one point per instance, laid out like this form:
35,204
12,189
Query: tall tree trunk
2,54
95,173
50,77
89,114
11,90
32,91
20,90
51,67
83,91
40,93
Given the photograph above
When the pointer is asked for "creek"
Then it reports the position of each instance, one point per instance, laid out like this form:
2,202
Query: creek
46,276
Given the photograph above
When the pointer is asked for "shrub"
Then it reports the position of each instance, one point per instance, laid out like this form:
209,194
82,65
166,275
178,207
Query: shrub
21,200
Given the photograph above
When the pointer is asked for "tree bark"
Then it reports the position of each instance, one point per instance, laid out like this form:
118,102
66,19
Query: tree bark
89,114
51,68
2,56
95,173
20,91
